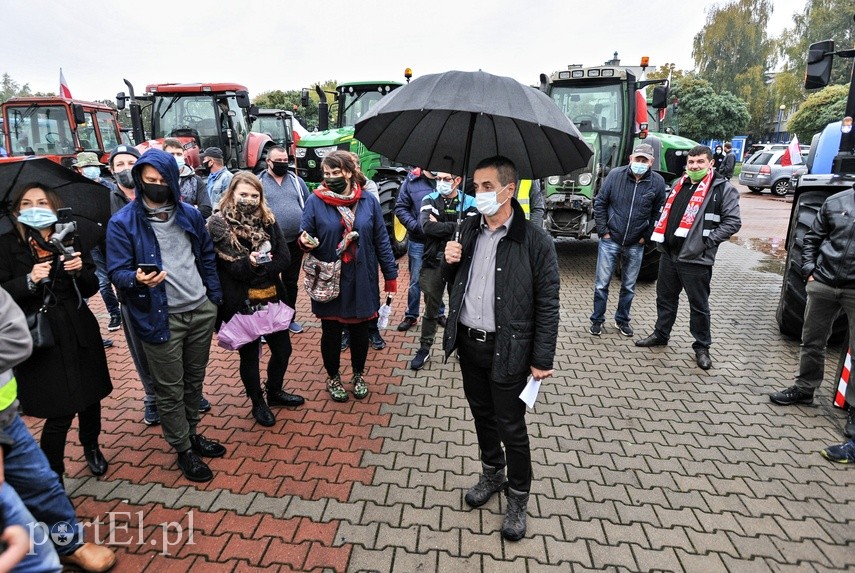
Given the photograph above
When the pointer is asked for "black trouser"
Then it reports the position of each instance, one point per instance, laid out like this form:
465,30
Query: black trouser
280,353
498,412
55,434
291,275
331,345
675,277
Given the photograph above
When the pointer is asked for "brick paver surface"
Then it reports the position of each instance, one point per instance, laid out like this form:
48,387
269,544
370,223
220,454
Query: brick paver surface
641,460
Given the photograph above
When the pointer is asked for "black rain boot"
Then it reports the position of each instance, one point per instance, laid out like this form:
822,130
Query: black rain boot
513,526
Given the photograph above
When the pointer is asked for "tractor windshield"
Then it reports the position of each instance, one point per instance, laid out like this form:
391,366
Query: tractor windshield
592,108
37,130
354,105
183,115
273,126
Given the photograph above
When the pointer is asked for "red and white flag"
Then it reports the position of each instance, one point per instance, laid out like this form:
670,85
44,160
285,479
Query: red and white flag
63,86
793,153
840,395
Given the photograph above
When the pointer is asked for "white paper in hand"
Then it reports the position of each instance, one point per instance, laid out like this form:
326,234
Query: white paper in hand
529,393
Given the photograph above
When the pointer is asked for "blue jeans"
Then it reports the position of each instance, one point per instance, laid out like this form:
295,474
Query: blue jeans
104,284
26,469
42,558
607,257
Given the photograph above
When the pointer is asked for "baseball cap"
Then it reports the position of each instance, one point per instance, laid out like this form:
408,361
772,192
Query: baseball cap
87,159
213,152
126,149
643,150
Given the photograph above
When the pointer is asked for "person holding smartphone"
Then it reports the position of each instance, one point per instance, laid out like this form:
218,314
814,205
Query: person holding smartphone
70,377
251,255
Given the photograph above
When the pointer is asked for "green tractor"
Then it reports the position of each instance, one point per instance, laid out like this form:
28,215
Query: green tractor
353,100
609,107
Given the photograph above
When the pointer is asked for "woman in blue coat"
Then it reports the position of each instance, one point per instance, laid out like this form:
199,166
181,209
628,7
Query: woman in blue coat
336,209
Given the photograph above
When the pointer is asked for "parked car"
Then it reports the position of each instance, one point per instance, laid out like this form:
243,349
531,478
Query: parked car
763,170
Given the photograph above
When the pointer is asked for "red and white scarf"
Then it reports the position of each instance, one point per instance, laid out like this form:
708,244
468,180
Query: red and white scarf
692,210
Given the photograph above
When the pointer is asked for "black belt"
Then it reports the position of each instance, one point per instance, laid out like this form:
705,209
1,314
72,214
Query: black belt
478,334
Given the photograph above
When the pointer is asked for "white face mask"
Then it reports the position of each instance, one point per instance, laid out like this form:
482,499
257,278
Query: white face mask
444,188
486,202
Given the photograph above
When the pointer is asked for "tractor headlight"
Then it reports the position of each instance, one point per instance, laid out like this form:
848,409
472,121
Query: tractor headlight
554,180
585,179
322,152
300,153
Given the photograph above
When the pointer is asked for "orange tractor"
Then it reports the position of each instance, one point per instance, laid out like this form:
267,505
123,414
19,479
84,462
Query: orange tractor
58,128
200,116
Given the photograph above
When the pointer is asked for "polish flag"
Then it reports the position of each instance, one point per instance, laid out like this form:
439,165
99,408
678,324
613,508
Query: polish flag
840,395
793,154
63,86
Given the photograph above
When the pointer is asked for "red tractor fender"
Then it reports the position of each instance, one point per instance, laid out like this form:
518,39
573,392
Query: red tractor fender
191,150
256,144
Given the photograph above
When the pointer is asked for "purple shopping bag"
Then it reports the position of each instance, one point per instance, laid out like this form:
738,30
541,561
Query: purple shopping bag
242,329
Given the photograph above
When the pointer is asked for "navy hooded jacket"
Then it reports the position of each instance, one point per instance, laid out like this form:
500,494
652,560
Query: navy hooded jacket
131,241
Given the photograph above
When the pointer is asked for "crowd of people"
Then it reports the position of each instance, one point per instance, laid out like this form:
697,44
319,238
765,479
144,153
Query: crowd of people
182,259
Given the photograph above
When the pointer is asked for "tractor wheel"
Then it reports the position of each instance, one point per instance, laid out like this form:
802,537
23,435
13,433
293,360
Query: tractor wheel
388,191
791,306
649,264
781,187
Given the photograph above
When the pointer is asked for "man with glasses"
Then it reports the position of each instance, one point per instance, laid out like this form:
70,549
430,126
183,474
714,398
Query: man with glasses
438,219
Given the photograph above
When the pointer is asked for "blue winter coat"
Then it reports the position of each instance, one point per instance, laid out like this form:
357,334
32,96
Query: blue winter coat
131,241
409,204
627,209
360,286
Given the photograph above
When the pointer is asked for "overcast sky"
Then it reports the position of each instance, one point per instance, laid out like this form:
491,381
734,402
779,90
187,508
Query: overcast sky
268,45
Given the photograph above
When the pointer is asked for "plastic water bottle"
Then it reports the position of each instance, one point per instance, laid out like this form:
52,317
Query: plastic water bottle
384,312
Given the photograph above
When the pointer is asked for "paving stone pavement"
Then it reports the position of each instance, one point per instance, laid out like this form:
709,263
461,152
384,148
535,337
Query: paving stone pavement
642,461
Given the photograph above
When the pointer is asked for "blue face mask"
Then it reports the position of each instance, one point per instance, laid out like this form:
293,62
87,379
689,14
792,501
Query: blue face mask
180,161
92,172
37,217
486,202
639,168
444,188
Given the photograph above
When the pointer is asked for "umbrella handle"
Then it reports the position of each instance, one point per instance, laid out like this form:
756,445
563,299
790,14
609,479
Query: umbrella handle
457,232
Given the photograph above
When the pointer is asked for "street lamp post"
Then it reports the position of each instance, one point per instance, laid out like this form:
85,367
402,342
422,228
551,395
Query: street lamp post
780,119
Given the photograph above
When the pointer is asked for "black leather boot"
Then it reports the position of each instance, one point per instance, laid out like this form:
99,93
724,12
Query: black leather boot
95,459
514,524
261,411
490,481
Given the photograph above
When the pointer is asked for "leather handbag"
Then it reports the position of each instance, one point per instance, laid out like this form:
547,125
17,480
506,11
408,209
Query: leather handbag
40,329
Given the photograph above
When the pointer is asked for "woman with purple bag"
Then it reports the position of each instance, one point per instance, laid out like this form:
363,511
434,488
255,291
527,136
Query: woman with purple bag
251,255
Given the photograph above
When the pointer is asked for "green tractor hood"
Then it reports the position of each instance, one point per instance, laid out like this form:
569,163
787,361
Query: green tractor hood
327,138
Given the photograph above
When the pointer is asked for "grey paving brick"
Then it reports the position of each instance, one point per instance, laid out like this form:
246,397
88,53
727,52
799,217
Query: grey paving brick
405,538
169,497
346,511
704,542
445,541
305,508
100,490
703,563
633,534
384,514
531,547
414,516
364,535
651,559
410,561
133,493
364,560
617,556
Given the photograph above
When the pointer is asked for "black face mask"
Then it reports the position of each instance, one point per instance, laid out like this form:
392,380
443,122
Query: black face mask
279,168
205,168
156,193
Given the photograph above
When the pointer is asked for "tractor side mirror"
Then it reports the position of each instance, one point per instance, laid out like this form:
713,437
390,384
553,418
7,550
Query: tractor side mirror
820,56
304,97
242,98
660,97
79,114
120,100
544,83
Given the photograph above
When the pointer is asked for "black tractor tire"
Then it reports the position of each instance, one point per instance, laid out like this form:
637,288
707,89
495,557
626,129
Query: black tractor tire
791,305
649,270
398,237
781,187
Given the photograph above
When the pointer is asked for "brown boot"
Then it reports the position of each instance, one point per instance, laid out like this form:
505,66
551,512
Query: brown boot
91,557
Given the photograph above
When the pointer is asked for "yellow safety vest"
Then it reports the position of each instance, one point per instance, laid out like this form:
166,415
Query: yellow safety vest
8,389
522,196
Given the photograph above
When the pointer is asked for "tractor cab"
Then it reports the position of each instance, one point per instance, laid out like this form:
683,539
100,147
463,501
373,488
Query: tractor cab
58,128
277,123
200,116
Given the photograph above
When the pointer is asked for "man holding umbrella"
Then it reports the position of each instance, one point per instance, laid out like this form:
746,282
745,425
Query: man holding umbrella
503,320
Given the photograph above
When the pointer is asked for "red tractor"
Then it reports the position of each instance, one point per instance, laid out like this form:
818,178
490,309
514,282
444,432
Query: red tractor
58,128
200,116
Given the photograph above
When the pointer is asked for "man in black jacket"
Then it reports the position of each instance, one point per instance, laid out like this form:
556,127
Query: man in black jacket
626,210
503,321
828,267
728,165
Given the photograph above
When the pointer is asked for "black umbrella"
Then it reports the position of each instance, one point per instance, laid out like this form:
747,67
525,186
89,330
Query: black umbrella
451,121
89,201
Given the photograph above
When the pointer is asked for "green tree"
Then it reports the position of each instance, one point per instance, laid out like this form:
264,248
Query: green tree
9,88
820,20
818,110
290,101
664,71
706,113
